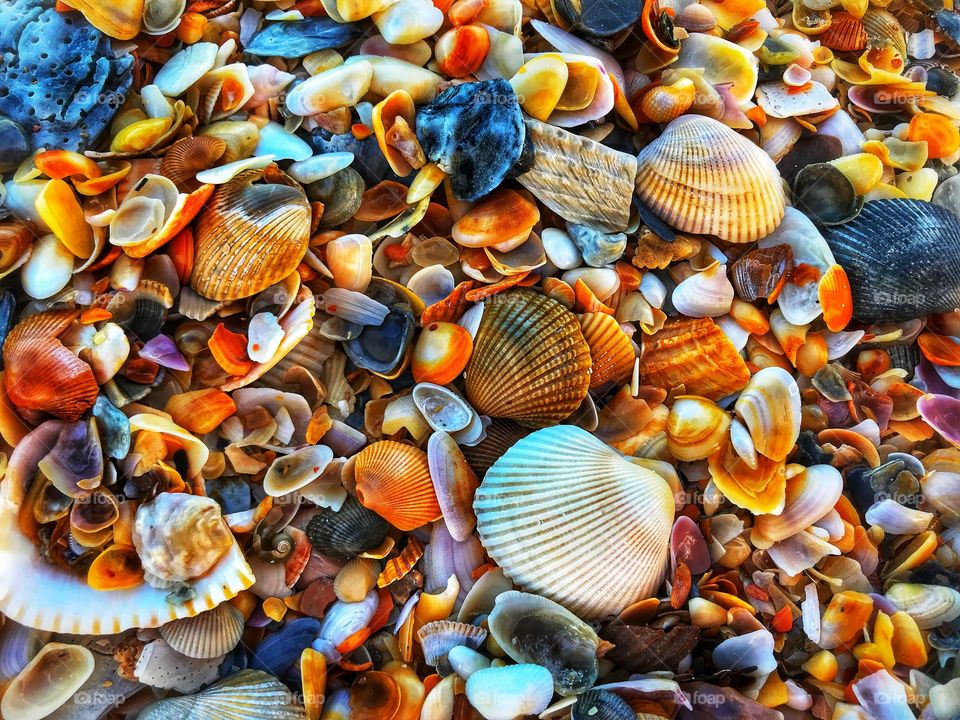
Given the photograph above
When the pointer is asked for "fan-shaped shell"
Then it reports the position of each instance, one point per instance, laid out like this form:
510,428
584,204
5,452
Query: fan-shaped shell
248,695
558,488
208,635
393,480
346,532
610,349
250,237
42,374
902,258
530,361
702,177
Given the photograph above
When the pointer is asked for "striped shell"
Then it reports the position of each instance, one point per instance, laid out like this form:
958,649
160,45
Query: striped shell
845,33
208,635
249,237
702,177
393,480
530,362
569,518
248,695
902,258
579,179
610,349
884,29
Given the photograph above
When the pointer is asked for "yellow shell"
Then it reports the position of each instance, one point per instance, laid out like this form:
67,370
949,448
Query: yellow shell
702,177
668,102
119,19
250,237
770,407
393,480
696,428
530,361
569,518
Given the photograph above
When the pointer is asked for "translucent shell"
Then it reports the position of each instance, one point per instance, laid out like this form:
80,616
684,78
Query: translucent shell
561,484
393,480
696,428
59,209
397,106
454,483
530,361
116,568
540,84
441,353
702,177
611,351
760,489
120,20
461,50
769,406
289,473
503,220
349,258
47,682
835,298
811,494
200,411
503,693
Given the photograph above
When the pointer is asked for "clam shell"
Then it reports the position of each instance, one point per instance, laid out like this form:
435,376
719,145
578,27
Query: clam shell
347,532
503,693
393,480
530,361
289,473
438,638
702,177
355,579
247,695
210,634
248,238
454,483
902,258
603,704
581,180
694,353
929,605
769,406
810,495
696,428
561,484
47,682
611,351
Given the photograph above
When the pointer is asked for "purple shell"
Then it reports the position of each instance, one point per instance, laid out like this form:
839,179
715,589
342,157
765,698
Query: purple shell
942,413
164,351
688,546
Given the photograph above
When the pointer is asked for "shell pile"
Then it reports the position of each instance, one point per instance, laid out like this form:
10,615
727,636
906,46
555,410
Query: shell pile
479,359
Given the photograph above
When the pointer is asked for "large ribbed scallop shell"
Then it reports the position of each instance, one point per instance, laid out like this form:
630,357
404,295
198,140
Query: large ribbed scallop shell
702,177
902,258
530,362
579,179
393,480
42,374
610,348
208,635
248,695
49,597
883,29
695,353
250,237
569,518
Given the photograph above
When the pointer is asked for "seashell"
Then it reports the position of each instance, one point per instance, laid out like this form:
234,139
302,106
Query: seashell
354,307
596,248
289,473
408,21
581,180
464,661
343,619
760,489
780,100
185,68
533,629
341,86
58,208
47,268
120,20
320,166
940,412
454,483
883,28
896,519
504,218
753,650
431,284
244,695
811,494
300,38
41,374
355,579
603,704
347,532
529,360
475,133
611,352
349,258
696,354
769,406
248,238
912,237
761,272
577,465
441,353
162,16
824,193
393,480
696,428
929,605
188,156
668,102
276,142
722,62
241,138
438,638
393,119
845,34
210,634
540,84
704,294
341,194
743,181
503,693
48,681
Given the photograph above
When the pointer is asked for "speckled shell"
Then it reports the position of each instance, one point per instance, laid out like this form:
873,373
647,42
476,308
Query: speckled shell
902,258
569,518
702,177
250,237
695,353
581,180
530,362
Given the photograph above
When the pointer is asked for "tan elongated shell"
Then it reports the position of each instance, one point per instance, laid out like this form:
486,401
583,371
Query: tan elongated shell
207,635
695,353
581,180
702,177
770,408
248,695
530,362
250,237
610,349
571,519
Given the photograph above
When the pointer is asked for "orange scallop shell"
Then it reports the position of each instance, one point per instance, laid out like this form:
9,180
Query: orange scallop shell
503,216
42,374
393,480
610,349
530,362
694,353
846,33
250,237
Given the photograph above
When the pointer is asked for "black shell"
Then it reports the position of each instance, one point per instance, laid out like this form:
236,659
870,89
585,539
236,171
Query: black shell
296,39
600,18
601,705
902,258
825,194
348,532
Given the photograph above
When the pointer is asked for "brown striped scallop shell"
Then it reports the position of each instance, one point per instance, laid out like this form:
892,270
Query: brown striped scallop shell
845,34
250,237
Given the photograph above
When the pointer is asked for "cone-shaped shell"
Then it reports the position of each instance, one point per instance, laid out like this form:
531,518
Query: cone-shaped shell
42,374
393,480
581,180
695,353
208,635
610,349
558,488
248,695
250,237
702,177
530,362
